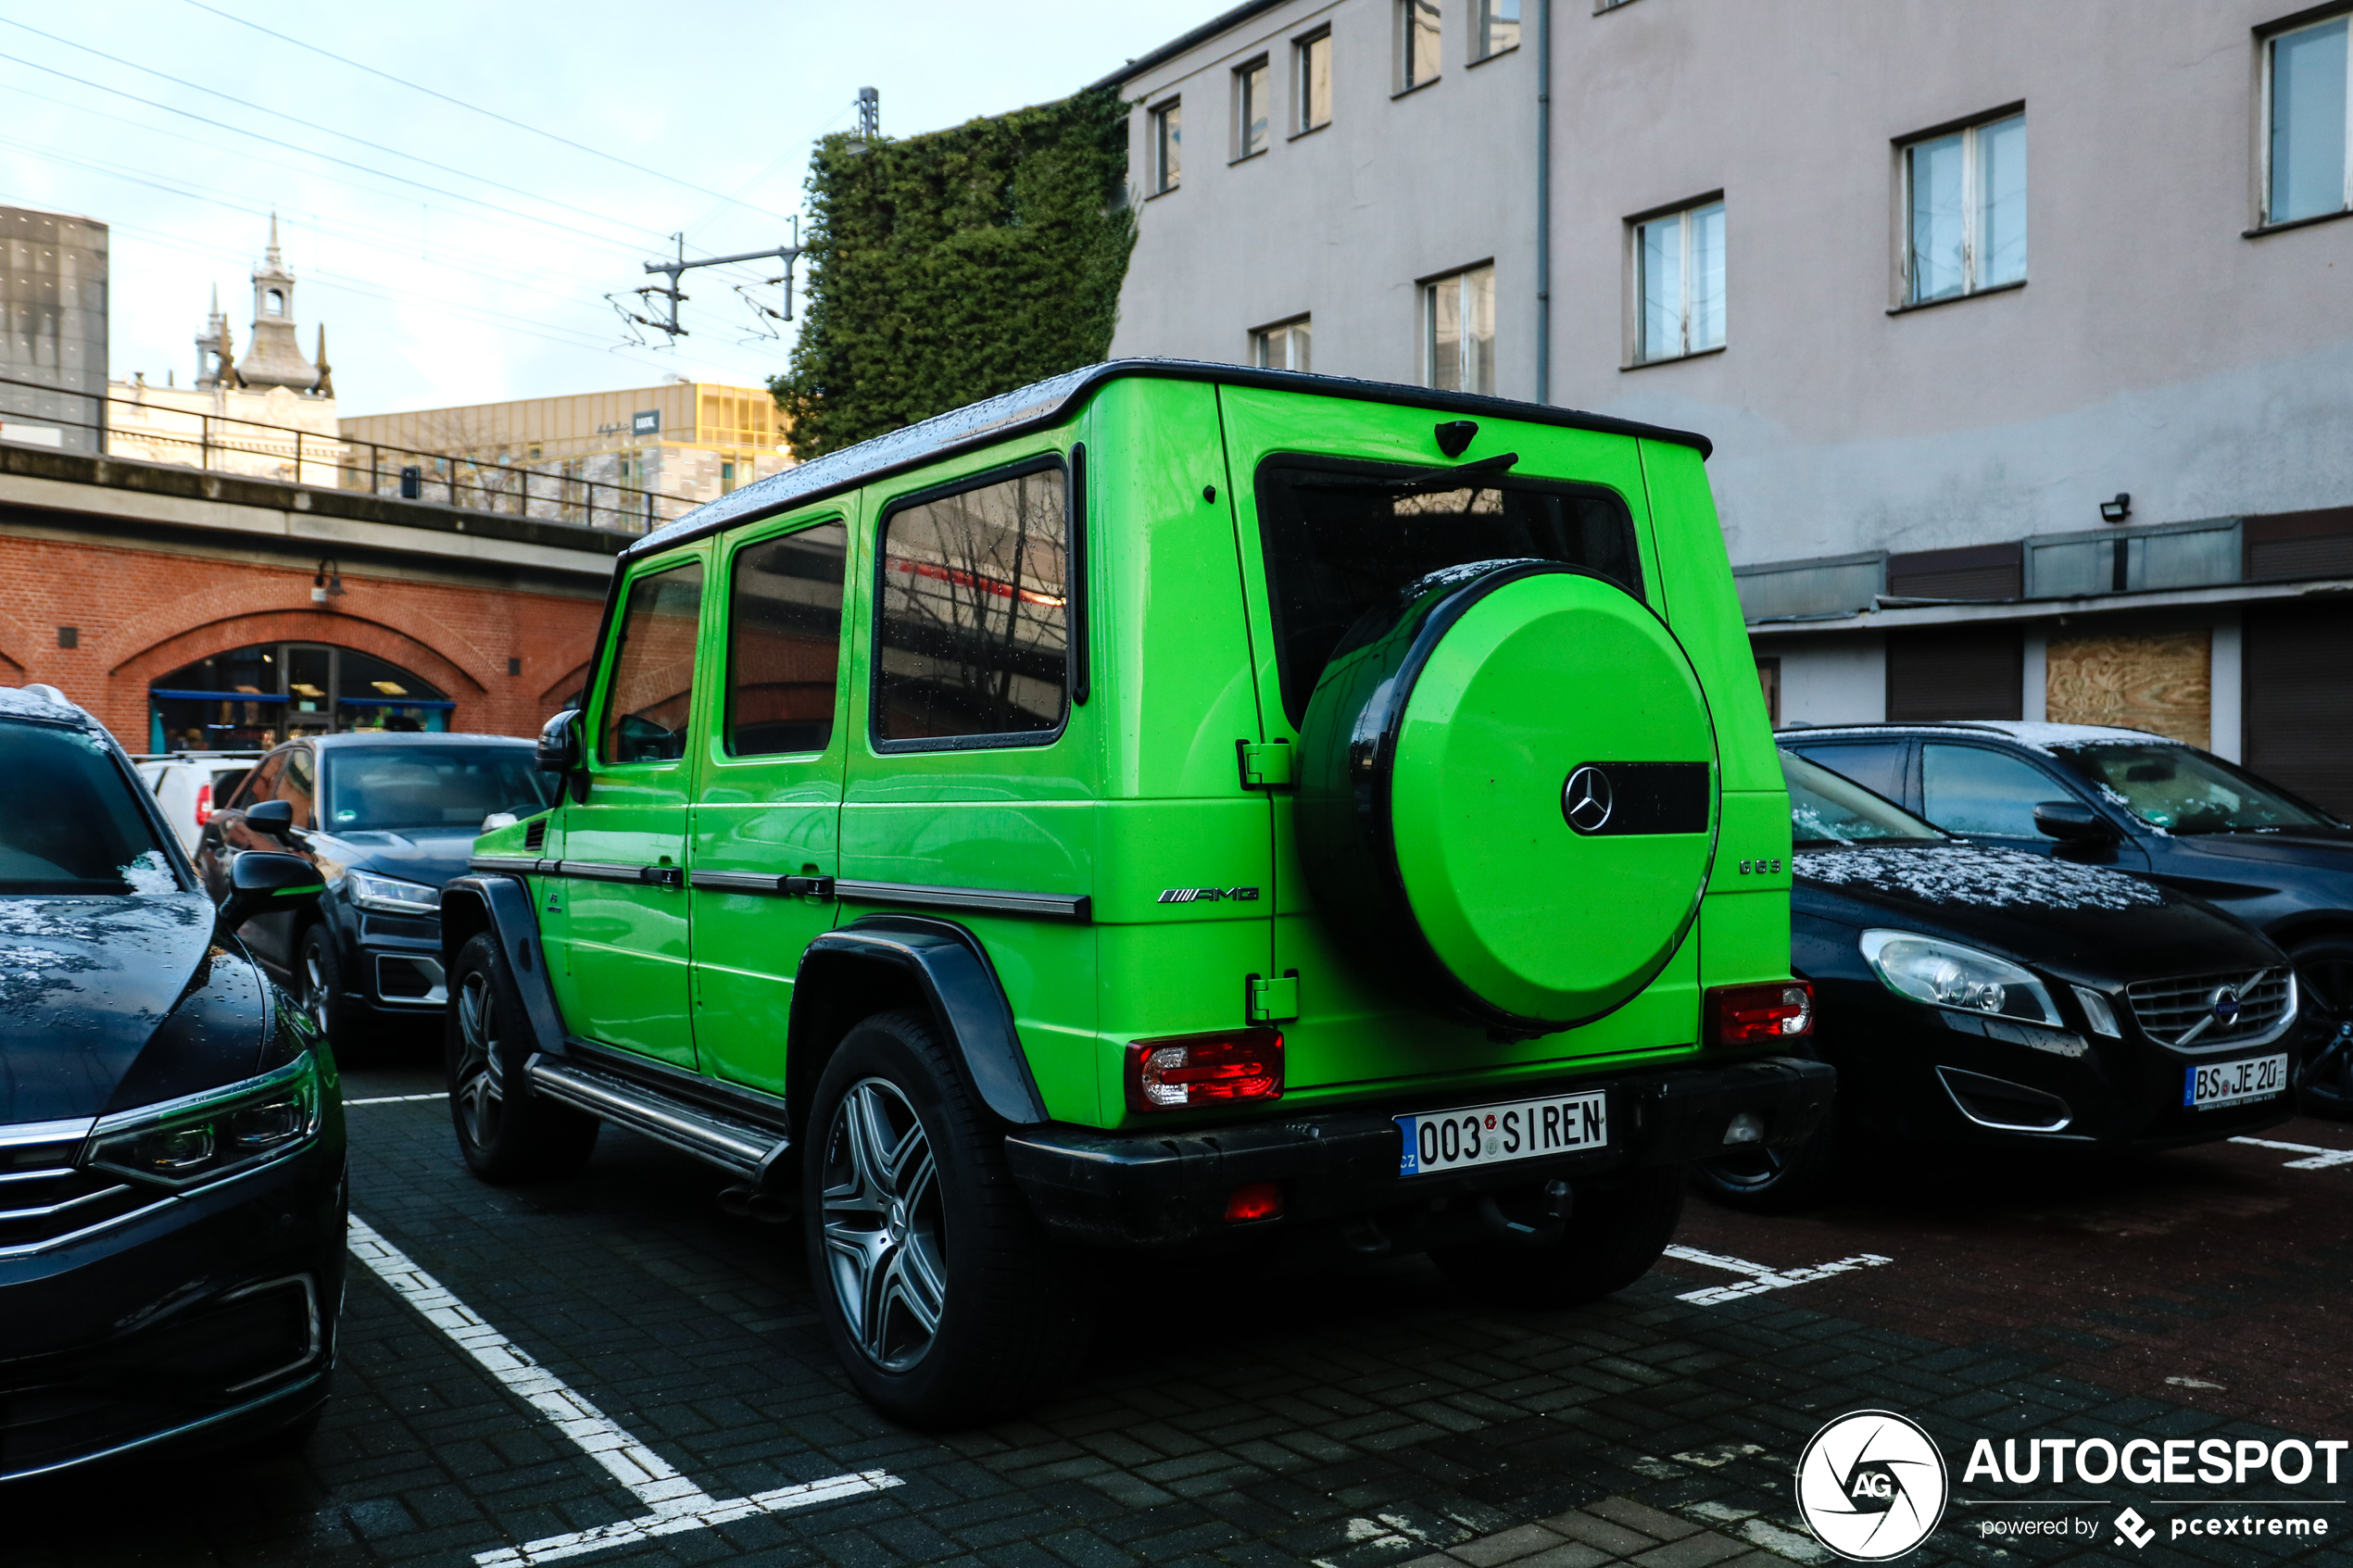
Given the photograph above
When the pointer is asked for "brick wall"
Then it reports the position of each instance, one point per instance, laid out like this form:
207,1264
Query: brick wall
140,613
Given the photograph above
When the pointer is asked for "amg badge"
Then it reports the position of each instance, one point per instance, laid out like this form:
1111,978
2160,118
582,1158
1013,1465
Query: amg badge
1209,895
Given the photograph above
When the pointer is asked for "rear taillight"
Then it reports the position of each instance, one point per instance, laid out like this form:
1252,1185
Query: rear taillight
1748,1015
204,804
1193,1070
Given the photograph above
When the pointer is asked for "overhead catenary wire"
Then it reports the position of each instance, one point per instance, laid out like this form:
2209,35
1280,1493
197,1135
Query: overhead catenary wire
736,200
289,118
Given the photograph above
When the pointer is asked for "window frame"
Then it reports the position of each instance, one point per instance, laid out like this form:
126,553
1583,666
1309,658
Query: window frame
1303,95
609,652
1426,290
1972,163
1638,282
2267,65
722,749
1401,27
1481,19
1238,132
1158,174
1073,468
1259,335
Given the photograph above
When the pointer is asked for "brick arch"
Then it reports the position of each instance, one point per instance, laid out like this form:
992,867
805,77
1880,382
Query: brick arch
285,593
16,642
298,626
562,688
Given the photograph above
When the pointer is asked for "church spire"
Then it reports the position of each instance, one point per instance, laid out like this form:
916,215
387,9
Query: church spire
326,383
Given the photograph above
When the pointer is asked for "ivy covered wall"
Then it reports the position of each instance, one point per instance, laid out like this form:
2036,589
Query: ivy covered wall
949,267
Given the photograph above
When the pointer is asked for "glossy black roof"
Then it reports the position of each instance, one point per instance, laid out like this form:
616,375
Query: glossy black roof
1050,402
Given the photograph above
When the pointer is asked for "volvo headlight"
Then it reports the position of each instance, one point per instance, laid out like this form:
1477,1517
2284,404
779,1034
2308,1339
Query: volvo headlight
1947,975
204,1138
390,896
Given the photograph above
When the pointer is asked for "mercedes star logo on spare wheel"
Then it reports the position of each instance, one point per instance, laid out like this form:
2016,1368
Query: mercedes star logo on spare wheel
1871,1485
1585,800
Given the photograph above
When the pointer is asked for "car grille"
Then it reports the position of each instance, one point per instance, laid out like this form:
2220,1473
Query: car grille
44,1197
2168,1010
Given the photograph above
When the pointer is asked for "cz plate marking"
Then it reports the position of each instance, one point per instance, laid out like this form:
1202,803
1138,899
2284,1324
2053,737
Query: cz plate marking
1496,1135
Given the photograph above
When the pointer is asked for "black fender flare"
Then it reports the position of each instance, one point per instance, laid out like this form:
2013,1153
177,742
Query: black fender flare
503,904
952,970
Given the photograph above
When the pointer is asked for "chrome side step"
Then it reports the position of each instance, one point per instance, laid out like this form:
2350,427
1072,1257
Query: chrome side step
734,1146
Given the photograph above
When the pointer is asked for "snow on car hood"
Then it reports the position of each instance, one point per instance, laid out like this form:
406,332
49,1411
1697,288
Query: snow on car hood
1985,878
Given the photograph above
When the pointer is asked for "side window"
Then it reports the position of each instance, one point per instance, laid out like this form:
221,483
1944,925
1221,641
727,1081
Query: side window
974,634
294,785
783,642
1878,766
261,784
649,689
1970,789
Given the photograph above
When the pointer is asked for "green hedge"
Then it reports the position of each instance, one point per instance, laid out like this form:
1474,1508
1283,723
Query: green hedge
953,267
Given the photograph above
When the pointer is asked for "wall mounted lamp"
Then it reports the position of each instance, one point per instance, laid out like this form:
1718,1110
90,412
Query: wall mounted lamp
327,583
2117,510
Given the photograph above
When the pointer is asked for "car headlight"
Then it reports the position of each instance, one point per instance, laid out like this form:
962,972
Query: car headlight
391,895
204,1138
1947,975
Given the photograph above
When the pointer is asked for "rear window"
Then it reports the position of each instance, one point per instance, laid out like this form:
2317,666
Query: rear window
73,824
371,788
1341,538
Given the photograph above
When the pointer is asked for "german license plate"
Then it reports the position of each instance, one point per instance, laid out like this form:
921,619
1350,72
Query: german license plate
2227,1083
1496,1135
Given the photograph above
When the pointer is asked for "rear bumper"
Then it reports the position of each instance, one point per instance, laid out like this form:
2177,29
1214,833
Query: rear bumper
1169,1189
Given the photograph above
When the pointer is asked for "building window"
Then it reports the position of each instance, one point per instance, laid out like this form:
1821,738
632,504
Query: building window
1680,258
1459,328
1282,347
1251,106
276,303
1498,26
1416,44
1167,145
2305,139
1314,55
1965,211
727,477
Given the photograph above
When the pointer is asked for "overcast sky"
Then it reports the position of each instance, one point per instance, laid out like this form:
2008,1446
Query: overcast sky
453,256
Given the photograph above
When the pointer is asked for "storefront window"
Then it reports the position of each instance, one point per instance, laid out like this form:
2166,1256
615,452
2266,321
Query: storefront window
253,697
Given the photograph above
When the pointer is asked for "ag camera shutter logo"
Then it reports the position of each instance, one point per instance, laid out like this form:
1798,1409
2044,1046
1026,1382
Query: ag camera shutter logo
1871,1485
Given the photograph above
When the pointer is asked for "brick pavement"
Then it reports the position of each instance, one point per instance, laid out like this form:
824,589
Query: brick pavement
1361,1419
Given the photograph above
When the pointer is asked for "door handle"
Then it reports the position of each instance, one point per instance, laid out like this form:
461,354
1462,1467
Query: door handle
663,876
819,886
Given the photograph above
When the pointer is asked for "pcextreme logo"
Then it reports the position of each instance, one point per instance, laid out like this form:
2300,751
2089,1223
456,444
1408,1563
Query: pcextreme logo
1871,1485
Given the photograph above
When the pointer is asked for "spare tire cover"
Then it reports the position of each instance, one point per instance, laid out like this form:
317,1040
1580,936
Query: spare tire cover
1507,793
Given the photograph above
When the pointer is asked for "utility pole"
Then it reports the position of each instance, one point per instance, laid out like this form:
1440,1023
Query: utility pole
869,119
675,269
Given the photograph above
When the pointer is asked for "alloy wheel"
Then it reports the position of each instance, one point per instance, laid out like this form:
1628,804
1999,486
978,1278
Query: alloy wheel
885,1243
314,991
478,1091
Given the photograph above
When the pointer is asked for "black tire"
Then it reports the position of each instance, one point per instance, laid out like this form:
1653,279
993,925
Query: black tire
507,1134
318,974
910,1214
1772,1181
2324,990
1614,1234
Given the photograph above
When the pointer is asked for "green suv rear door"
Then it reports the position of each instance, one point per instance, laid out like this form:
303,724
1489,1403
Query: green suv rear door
627,949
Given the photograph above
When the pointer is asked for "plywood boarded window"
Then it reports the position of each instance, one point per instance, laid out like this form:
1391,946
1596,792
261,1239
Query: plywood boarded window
2157,682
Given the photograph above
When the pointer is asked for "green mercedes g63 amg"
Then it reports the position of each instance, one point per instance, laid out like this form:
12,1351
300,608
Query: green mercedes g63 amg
1173,806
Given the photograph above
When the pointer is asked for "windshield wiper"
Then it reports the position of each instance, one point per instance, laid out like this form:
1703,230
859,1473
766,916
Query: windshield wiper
1448,479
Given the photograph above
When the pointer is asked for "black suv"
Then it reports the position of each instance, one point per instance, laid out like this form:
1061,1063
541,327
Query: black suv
387,819
2139,803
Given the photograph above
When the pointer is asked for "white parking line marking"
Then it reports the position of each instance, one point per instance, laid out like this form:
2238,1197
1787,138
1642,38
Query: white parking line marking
1761,1278
677,1503
2324,1158
396,1100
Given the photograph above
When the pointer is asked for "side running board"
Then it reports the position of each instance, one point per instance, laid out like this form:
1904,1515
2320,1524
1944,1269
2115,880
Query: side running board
734,1146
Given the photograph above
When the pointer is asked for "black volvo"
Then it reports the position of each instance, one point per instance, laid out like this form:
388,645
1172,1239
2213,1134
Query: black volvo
171,1147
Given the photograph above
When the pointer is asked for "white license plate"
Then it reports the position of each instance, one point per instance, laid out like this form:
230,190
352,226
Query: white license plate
1497,1134
2227,1083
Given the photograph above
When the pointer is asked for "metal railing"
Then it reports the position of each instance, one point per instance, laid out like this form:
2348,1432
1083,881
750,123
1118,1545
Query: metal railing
219,444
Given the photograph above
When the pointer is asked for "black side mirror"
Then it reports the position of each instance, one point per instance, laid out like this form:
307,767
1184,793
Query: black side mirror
559,743
273,817
260,881
2072,822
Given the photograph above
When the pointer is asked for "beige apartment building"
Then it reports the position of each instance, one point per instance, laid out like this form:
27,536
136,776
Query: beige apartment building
612,458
